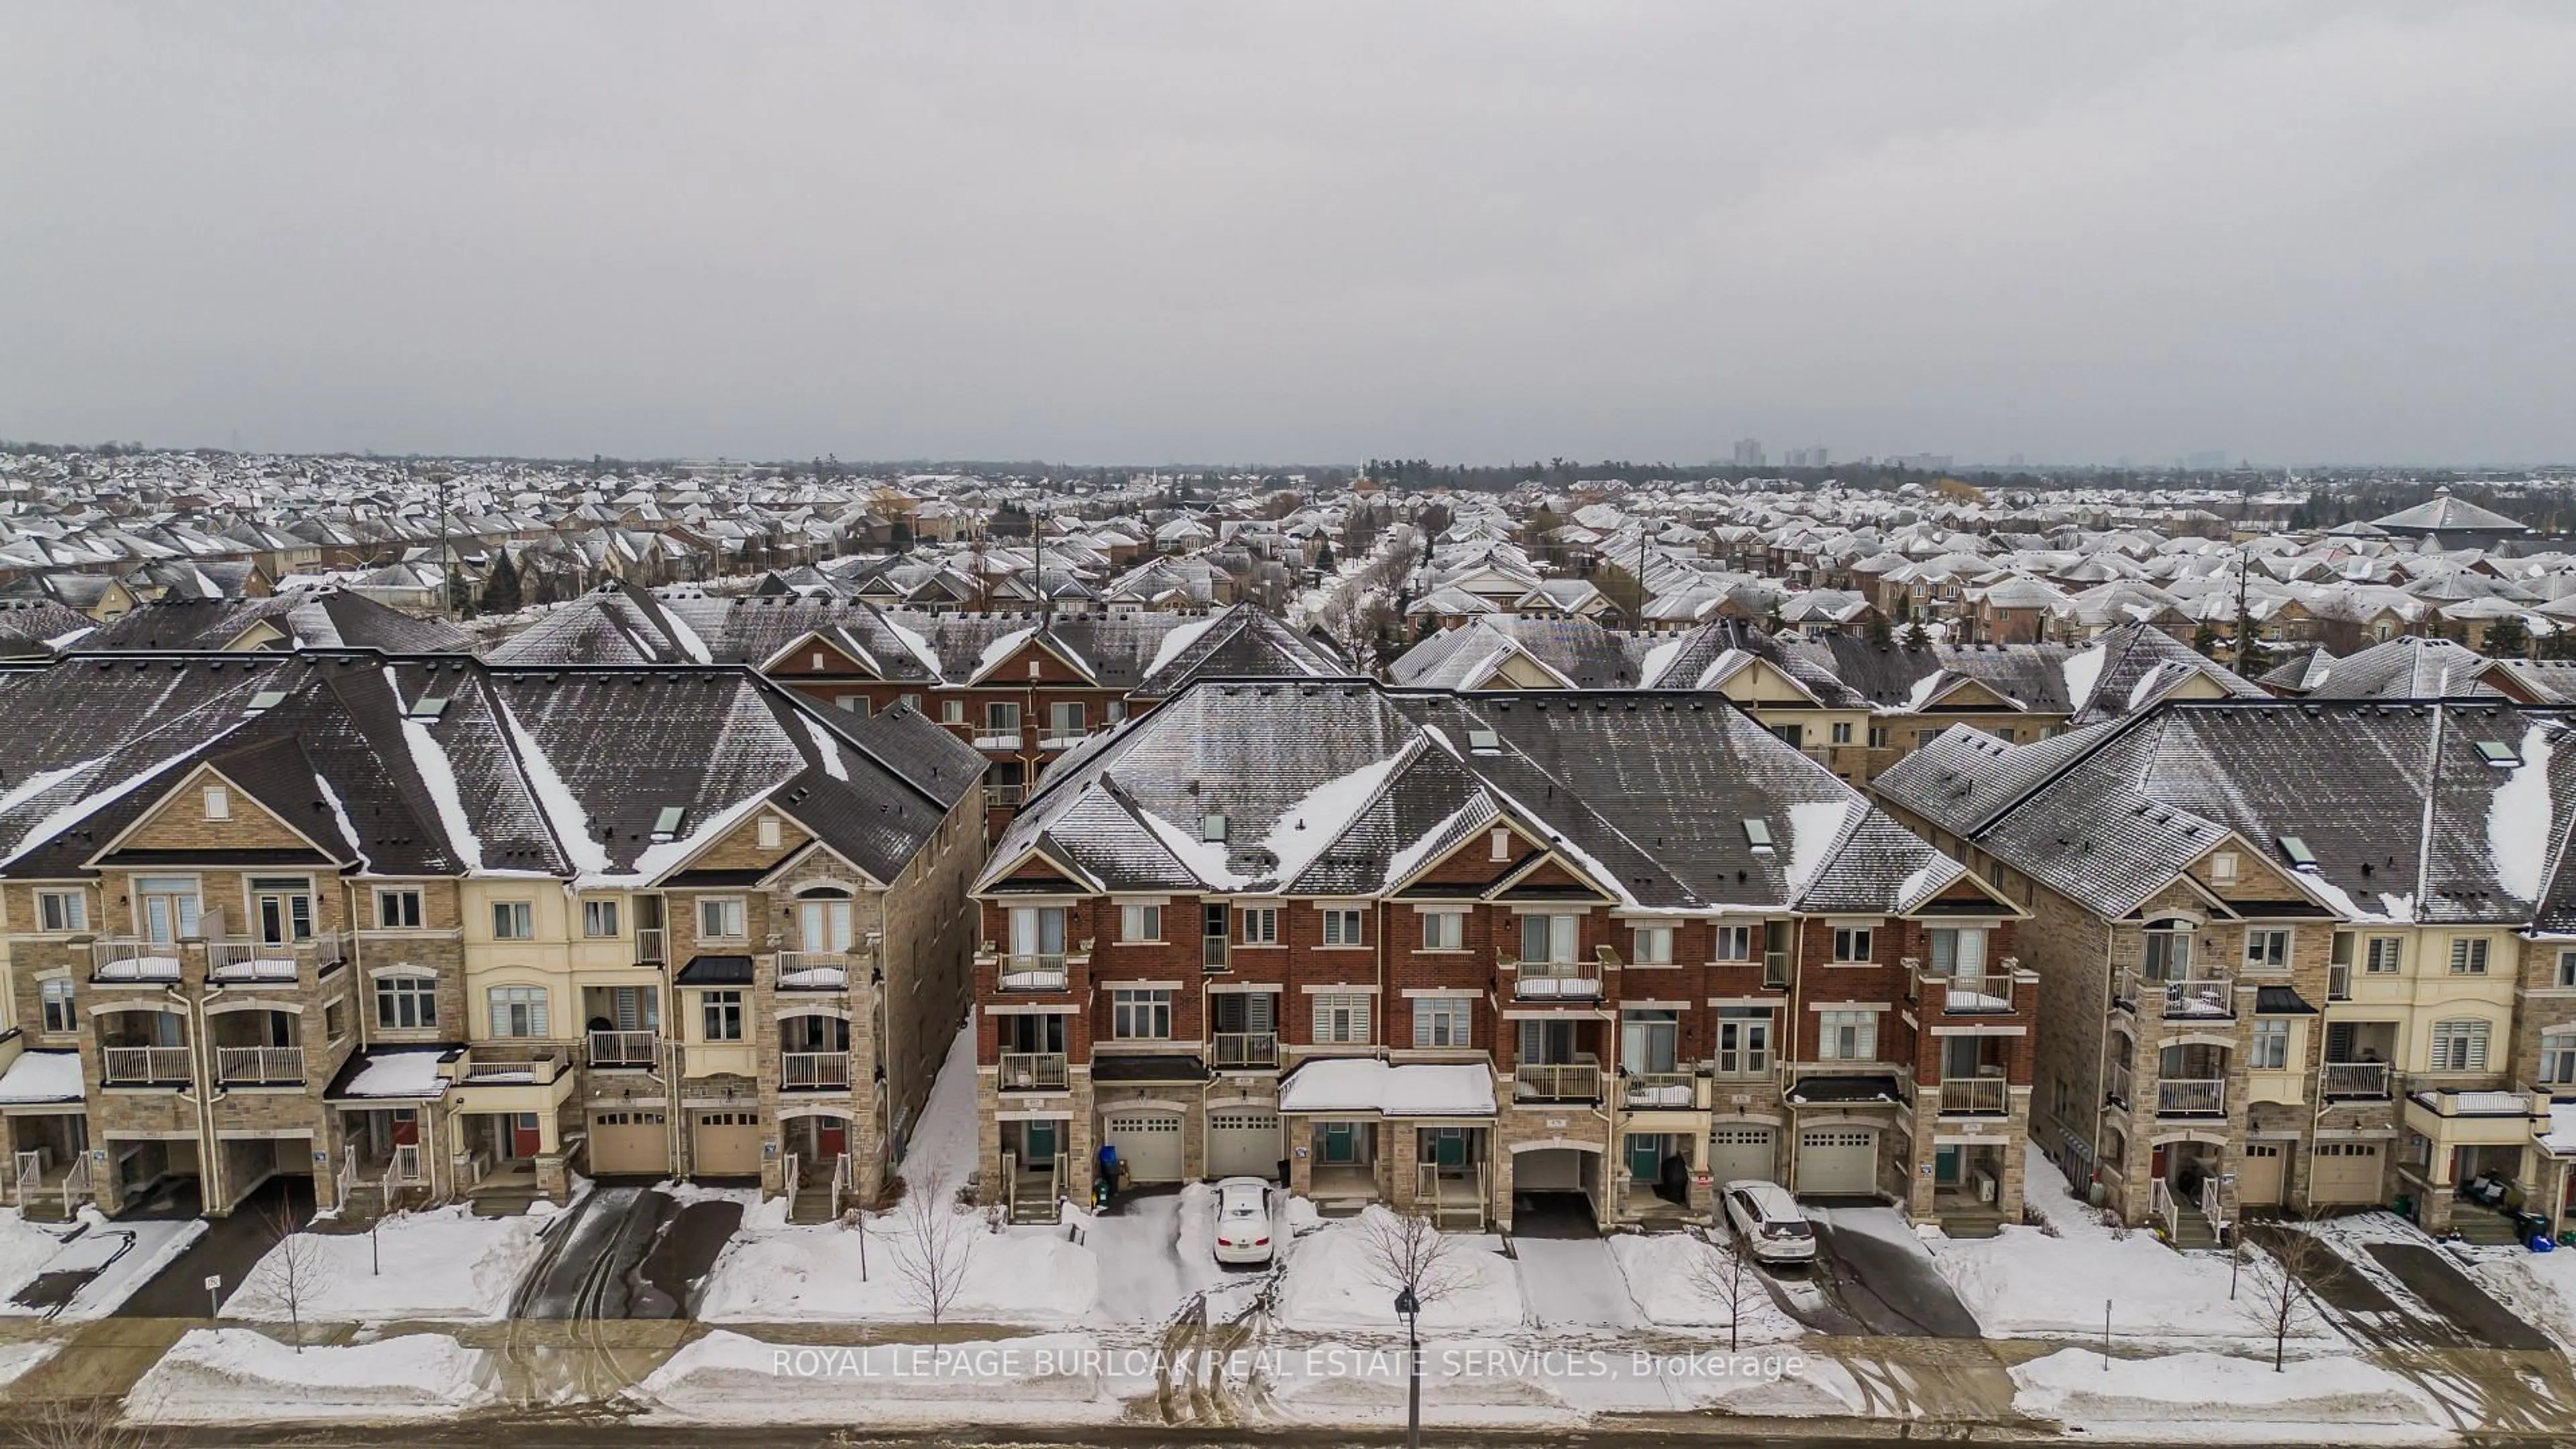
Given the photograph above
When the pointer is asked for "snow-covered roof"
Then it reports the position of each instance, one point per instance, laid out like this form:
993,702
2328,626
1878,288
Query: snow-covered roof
1410,1089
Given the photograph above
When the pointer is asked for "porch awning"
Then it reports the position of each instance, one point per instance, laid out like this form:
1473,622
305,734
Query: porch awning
1812,1091
393,1074
1365,1084
41,1077
715,971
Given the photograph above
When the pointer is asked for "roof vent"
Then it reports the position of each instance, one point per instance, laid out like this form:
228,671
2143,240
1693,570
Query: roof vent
1757,833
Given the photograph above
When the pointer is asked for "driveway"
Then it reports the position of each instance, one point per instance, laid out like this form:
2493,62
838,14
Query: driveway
2391,1285
230,1247
1871,1275
630,1251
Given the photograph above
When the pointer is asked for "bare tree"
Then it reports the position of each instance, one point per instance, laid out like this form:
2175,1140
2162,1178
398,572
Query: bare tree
76,1424
1718,1274
933,1245
1410,1253
289,1276
2281,1298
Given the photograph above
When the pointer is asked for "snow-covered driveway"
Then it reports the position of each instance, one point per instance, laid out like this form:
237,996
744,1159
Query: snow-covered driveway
1140,1257
1574,1282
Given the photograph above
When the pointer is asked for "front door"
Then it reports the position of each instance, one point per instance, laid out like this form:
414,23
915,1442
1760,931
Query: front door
1341,1142
834,1136
525,1141
1040,1140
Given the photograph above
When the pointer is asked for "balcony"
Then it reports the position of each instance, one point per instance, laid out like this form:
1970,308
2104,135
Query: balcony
1042,972
814,970
2202,999
1775,970
1575,1081
1653,1091
2339,983
651,948
1976,1097
1557,981
138,1066
2119,1088
128,958
1002,797
1033,1072
813,1071
246,962
2191,1097
1975,995
2354,1081
1243,1050
257,1065
625,1048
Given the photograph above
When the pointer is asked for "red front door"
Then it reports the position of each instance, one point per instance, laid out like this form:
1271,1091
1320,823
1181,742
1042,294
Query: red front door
524,1141
406,1129
836,1136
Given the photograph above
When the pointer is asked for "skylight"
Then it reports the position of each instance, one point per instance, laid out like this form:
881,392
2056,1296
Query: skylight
1212,827
2300,856
1485,742
667,824
1757,833
429,706
267,699
2497,752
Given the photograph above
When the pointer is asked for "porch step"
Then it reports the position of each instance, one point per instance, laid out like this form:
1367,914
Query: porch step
810,1205
2485,1228
2192,1231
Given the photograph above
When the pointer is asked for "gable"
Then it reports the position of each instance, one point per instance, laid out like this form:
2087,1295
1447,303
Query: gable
1969,693
740,849
1519,671
814,656
179,821
1034,658
1471,863
259,635
1758,681
2197,686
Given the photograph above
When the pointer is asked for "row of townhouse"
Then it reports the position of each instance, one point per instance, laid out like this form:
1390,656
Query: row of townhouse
1446,951
1020,688
2291,955
417,927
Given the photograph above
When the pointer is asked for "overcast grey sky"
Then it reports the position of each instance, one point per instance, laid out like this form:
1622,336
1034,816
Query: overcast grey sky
1212,231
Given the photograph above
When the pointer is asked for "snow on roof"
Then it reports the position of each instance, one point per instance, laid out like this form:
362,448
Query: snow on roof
340,817
429,757
58,821
563,810
2518,820
2560,1138
1415,1089
43,1077
1814,826
919,646
399,1074
1177,642
687,638
667,855
2082,668
999,650
829,748
1658,659
1305,829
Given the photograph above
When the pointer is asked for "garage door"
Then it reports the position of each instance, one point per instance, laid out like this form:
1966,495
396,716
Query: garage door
1149,1143
2345,1172
1737,1152
727,1144
629,1142
1549,1169
1243,1144
2258,1175
1837,1162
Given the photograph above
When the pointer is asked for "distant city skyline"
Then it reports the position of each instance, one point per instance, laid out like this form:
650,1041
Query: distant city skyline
2306,233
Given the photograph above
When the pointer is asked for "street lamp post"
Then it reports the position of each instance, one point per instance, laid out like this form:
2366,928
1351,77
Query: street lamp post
1408,1306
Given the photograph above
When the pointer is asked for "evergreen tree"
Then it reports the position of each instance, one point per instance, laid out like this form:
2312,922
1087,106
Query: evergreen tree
1915,637
2507,639
501,585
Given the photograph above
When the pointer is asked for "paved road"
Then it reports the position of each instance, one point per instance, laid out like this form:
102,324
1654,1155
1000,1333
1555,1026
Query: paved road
229,1248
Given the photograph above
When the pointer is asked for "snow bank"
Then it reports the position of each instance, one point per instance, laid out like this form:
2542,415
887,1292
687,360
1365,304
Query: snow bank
811,1274
16,1359
727,1377
442,1264
2154,1395
229,1375
25,1248
2539,1286
1331,1283
943,1142
1661,1269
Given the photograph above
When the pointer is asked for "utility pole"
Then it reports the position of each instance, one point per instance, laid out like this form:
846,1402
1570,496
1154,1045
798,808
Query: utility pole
2244,624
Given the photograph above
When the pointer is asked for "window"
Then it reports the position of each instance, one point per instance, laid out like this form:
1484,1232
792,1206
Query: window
2267,950
2169,951
282,908
1842,732
62,911
1548,938
2567,968
2385,955
166,906
1001,718
514,920
2271,1045
1791,735
1260,925
1038,932
721,1012
720,918
1851,943
2469,957
1140,1015
398,910
1849,1036
2557,1057
335,1020
1958,952
1499,843
599,918
1066,721
1878,737
1341,1018
2459,1046
1444,931
1925,737
57,996
952,711
219,803
1735,943
856,704
2222,867
406,1003
518,1010
1341,927
1441,1021
1743,1041
1140,923
767,832
1654,945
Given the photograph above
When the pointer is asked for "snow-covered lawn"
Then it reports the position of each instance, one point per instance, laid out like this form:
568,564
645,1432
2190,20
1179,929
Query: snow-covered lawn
2539,1286
942,1146
2213,1395
1574,1283
773,1273
1330,1283
121,1257
25,1248
1662,1271
728,1377
227,1375
2023,1283
1513,1380
442,1264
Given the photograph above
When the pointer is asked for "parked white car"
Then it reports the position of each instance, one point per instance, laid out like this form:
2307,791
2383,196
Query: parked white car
1243,1220
1769,1222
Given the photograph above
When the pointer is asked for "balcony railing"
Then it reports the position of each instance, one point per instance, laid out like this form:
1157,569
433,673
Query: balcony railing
127,958
259,1064
813,1069
144,1064
1033,1072
1557,1081
2206,999
1043,972
649,946
2364,1081
814,970
1001,797
1647,1091
2191,1097
1975,995
2339,983
1975,1097
1775,970
1212,953
2119,1088
1557,981
624,1048
1229,1050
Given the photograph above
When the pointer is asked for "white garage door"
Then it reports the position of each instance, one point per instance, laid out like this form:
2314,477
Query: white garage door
1837,1162
629,1142
2258,1175
1243,1144
1148,1143
1738,1152
1549,1169
727,1144
2345,1172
